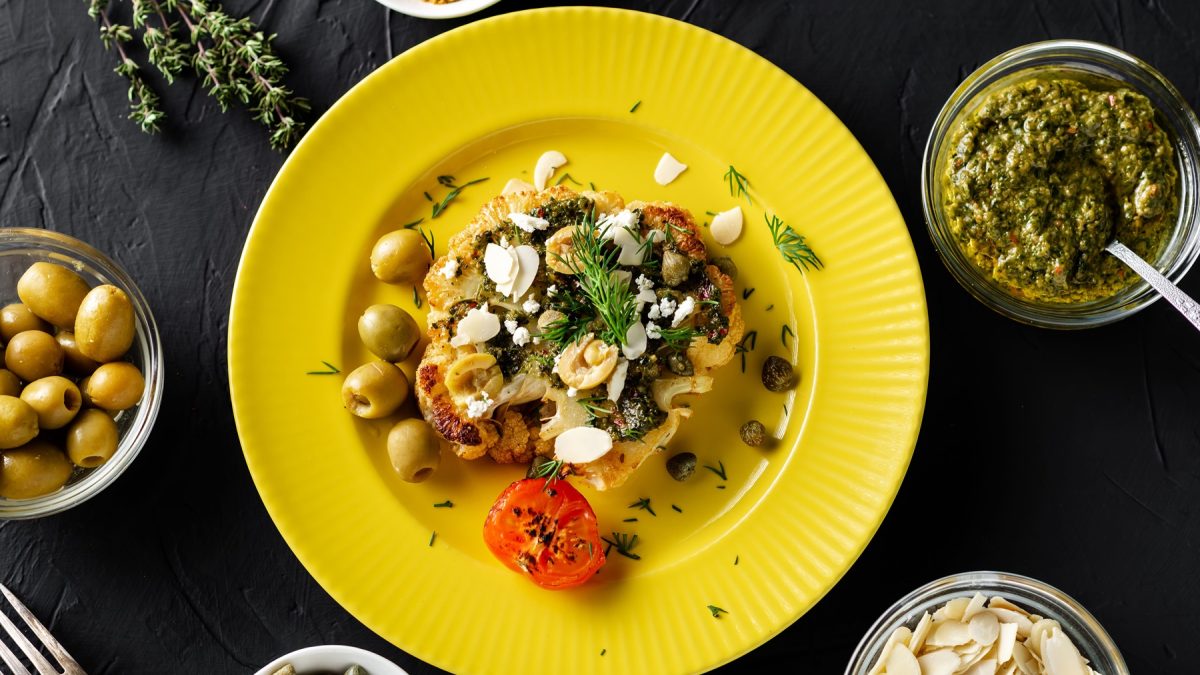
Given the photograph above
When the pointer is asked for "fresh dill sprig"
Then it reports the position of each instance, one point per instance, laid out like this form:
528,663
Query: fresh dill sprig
717,611
792,245
444,505
678,337
643,504
624,544
745,346
456,190
783,335
720,472
677,509
596,406
593,265
738,184
330,370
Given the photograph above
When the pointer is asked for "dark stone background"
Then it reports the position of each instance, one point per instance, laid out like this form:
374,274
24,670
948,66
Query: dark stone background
1071,457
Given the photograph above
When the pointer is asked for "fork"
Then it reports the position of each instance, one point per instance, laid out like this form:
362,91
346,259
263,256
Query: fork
68,664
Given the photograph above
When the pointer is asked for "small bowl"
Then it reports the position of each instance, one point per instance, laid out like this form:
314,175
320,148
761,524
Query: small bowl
333,658
1030,594
429,10
1086,60
20,248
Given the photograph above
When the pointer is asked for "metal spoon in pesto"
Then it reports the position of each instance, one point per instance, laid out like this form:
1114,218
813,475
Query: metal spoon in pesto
1174,295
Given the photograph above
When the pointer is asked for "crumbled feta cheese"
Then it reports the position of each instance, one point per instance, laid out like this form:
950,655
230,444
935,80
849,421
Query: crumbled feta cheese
685,309
478,406
572,391
653,331
503,241
654,313
449,269
552,290
510,325
521,336
644,283
666,307
527,222
537,340
531,305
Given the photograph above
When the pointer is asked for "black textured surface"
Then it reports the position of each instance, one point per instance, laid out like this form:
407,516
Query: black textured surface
1071,457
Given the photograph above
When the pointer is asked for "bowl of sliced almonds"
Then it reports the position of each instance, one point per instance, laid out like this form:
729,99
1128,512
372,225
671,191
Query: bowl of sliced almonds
987,623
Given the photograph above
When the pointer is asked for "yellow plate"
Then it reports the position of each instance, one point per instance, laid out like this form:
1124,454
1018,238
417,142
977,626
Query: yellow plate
485,101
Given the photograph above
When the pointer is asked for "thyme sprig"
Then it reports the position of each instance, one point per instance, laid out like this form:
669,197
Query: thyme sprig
143,102
792,245
624,544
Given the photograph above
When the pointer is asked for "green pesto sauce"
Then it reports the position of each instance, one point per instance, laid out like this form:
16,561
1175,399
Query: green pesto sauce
1045,173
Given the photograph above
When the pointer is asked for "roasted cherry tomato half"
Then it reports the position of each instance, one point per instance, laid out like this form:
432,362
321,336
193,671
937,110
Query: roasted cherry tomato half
546,531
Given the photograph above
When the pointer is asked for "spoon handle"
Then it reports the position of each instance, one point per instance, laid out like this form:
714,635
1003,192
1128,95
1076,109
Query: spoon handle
1174,295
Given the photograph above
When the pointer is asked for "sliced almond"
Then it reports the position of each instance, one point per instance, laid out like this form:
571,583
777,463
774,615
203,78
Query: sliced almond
526,272
1038,634
546,166
582,445
1009,668
1024,660
668,169
635,341
616,381
1060,657
500,264
984,627
1008,638
1001,603
952,610
940,662
1008,616
727,226
975,606
920,633
898,636
948,634
900,661
984,667
479,325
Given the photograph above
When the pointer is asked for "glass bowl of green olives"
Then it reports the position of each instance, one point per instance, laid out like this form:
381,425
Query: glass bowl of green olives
82,373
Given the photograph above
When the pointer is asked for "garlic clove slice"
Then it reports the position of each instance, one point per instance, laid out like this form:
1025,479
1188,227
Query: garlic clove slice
528,263
726,226
581,445
546,165
668,169
635,341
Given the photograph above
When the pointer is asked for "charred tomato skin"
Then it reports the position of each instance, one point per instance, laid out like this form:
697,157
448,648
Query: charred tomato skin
545,531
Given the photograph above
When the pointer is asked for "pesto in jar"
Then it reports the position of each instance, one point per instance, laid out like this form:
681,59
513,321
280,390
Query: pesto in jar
1043,174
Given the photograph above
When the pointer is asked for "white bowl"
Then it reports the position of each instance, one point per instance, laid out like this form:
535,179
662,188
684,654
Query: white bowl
428,10
335,658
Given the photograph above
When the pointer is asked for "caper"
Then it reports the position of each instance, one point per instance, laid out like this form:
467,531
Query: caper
680,364
388,331
675,268
18,422
777,374
55,399
10,385
727,266
400,257
415,450
114,386
73,359
33,470
682,466
92,439
52,292
374,390
16,318
753,433
32,355
104,327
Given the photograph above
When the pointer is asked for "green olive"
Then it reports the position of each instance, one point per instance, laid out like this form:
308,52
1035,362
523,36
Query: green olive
74,360
16,318
10,384
18,422
388,331
32,355
415,450
115,386
753,433
104,326
33,470
92,439
777,374
52,292
400,257
682,466
675,268
55,399
374,390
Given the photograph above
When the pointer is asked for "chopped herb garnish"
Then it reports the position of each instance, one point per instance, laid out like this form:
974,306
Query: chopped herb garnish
785,409
716,611
416,298
678,337
446,180
635,106
409,226
792,245
746,293
624,544
736,558
770,307
433,537
710,213
677,509
745,346
630,520
720,471
438,207
566,176
592,185
330,370
428,237
787,330
603,652
721,487
428,196
739,185
643,504
444,505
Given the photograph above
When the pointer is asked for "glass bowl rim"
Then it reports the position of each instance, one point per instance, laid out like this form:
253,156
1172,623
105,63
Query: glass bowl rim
1183,128
66,247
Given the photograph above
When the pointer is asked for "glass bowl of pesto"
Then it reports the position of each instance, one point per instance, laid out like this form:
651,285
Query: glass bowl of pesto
1040,158
1031,596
